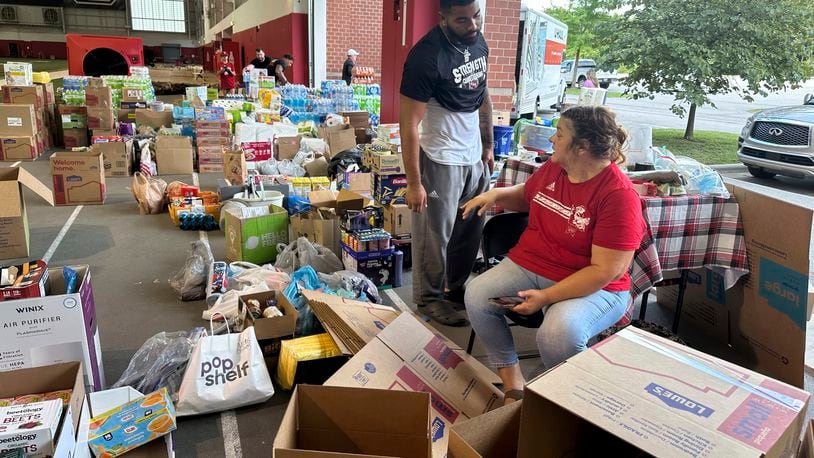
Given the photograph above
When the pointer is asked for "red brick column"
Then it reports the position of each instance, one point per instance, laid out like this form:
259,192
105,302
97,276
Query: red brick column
501,29
354,24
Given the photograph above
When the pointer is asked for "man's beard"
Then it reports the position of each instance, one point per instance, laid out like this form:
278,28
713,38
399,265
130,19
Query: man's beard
468,41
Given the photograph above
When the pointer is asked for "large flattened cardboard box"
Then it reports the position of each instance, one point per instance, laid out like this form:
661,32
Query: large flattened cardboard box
46,379
117,157
763,317
492,435
18,121
253,233
407,356
173,155
14,232
78,178
635,392
331,422
53,329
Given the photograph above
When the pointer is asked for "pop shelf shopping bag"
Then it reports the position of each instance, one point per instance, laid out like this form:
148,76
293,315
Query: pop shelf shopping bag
224,372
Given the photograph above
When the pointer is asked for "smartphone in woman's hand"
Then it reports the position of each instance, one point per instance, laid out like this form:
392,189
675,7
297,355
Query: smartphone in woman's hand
506,302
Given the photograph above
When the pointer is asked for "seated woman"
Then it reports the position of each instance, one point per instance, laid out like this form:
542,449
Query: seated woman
572,261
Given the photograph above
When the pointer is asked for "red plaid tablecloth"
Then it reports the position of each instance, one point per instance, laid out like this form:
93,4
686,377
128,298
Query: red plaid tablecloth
686,232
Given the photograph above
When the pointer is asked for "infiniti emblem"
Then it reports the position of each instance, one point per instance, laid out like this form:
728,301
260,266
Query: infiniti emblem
776,131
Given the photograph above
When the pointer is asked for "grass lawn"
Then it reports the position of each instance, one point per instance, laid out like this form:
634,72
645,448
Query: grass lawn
708,147
40,65
611,94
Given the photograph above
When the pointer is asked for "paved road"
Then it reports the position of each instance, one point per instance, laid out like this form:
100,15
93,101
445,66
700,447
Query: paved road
729,115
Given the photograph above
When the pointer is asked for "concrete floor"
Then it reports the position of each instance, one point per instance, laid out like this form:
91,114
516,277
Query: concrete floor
131,257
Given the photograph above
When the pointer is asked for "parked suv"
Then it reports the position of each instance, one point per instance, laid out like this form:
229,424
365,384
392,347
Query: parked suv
586,65
778,141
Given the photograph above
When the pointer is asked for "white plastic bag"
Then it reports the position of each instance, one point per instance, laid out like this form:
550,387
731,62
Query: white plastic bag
639,145
224,372
302,252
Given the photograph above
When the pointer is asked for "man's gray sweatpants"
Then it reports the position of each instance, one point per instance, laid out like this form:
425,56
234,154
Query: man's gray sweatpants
445,246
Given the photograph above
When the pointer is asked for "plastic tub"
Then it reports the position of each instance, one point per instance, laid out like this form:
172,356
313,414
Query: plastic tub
269,198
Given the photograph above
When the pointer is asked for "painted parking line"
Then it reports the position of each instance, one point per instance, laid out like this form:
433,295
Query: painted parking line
61,235
397,301
228,419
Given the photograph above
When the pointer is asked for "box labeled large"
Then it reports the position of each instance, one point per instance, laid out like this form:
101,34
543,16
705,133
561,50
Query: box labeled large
252,233
78,178
18,121
408,356
24,95
19,148
14,233
636,392
174,155
329,422
117,157
53,329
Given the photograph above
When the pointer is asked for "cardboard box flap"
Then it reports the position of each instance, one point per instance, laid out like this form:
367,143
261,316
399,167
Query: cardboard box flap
43,379
494,434
32,183
323,422
10,208
322,198
351,324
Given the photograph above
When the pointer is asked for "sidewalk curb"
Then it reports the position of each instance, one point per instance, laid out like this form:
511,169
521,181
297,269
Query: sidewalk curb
729,168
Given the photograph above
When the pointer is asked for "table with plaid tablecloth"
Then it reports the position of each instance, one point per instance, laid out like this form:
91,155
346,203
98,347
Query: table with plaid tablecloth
683,233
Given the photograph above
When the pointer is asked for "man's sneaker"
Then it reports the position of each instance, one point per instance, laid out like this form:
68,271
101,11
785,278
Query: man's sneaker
456,296
443,312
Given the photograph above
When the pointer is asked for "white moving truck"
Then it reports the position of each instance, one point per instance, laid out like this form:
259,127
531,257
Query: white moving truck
540,47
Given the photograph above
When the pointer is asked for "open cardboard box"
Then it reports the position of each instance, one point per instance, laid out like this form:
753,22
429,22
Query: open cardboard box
334,422
807,444
408,356
636,392
321,224
14,233
491,435
270,331
44,379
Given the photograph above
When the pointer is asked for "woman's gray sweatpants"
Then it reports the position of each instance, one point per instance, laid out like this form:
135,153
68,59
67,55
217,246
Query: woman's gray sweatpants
445,246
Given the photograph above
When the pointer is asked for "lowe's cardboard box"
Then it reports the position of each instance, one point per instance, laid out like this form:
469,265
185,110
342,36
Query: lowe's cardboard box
46,379
253,233
635,392
407,356
78,177
174,155
117,157
19,148
14,233
332,422
18,121
53,329
762,319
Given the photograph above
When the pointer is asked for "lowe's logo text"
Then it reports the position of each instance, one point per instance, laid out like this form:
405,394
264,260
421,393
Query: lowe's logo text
677,401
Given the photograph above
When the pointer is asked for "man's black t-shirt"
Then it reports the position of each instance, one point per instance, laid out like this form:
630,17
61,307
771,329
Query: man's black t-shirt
273,72
347,71
265,63
456,78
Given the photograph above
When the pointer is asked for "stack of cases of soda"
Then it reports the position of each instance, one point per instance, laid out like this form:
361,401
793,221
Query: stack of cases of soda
367,247
212,135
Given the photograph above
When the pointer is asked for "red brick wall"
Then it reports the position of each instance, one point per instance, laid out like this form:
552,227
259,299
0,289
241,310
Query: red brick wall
501,29
354,24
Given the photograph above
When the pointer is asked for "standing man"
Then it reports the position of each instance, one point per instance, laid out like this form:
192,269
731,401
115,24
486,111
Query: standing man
447,140
347,68
259,62
279,67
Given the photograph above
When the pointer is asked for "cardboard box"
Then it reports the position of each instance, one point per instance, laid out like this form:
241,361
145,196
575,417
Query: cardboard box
27,280
358,182
44,379
117,157
387,164
132,94
103,401
24,95
99,97
310,360
389,189
389,133
320,226
287,147
339,138
357,119
807,444
54,329
328,422
101,118
132,424
252,233
18,121
762,319
75,138
379,266
493,434
18,73
256,151
39,421
19,148
78,178
103,133
174,155
398,219
154,119
49,93
351,324
271,331
14,234
636,392
73,117
408,356
501,118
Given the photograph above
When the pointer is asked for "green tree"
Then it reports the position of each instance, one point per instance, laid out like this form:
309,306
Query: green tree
586,21
692,49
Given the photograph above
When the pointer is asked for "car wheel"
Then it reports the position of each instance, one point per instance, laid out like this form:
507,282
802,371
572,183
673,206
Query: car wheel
604,85
758,172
